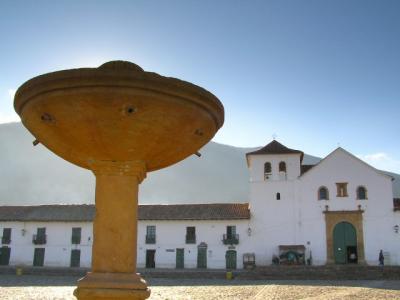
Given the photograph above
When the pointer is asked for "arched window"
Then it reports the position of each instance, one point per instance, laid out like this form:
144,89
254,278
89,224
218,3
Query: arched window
282,170
282,166
267,170
361,193
323,193
278,196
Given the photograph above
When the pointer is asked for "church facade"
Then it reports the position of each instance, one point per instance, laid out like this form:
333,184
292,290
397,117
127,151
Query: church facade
339,211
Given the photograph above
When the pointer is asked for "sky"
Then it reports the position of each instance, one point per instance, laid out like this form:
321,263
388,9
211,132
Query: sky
314,74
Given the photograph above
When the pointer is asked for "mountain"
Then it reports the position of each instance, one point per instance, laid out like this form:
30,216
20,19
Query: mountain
34,175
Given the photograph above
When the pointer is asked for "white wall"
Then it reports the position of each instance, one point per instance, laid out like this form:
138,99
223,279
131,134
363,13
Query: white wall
256,166
378,216
298,217
273,221
58,247
171,235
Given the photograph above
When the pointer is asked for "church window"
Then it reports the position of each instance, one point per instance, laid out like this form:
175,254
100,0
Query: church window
278,196
282,170
323,193
361,193
267,170
341,189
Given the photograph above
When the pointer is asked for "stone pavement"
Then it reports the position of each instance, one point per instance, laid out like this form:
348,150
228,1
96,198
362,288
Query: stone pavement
61,287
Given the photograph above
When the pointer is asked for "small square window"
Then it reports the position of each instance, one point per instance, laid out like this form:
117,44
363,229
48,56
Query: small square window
341,189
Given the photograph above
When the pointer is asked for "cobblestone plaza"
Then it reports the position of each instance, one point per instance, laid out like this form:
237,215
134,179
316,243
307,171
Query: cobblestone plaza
61,287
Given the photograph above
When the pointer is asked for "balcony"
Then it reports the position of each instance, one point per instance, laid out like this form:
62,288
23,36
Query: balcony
5,240
150,239
39,239
190,239
231,239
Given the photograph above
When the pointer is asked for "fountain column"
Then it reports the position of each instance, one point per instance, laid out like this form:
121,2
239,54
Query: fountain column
114,248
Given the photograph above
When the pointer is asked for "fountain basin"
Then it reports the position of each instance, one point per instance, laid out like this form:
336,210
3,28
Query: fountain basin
118,112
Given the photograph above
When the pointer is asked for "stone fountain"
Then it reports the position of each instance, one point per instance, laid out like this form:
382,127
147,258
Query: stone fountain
120,122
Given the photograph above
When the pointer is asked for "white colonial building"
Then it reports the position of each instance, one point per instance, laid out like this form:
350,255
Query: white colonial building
169,236
340,210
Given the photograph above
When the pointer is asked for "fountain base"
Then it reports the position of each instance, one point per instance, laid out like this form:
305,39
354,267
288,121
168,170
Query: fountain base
121,286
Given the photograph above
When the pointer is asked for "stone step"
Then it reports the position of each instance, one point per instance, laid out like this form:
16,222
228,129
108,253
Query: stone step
322,272
333,272
29,270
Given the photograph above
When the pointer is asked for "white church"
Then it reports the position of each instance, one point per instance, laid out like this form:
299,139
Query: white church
338,211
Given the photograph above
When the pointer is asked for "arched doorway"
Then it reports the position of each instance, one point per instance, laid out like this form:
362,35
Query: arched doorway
230,258
345,243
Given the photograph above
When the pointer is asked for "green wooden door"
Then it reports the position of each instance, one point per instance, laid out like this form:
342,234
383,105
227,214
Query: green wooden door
201,257
230,257
75,258
344,237
150,258
5,256
38,257
180,258
6,239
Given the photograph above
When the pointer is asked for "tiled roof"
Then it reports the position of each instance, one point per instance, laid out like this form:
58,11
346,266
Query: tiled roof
46,213
85,213
276,148
396,204
305,168
231,211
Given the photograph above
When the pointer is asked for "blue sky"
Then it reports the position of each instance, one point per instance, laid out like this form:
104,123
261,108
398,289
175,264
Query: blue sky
318,74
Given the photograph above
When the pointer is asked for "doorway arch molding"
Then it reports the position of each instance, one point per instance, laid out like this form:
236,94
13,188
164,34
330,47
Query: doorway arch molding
355,218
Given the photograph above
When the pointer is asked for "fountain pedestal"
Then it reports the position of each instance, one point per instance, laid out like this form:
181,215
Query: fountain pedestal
113,273
118,286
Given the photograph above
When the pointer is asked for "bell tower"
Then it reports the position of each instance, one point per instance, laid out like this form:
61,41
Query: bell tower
274,162
274,170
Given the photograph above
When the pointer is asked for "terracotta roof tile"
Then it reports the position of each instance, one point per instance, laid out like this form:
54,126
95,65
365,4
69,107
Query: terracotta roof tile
45,213
223,211
85,213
